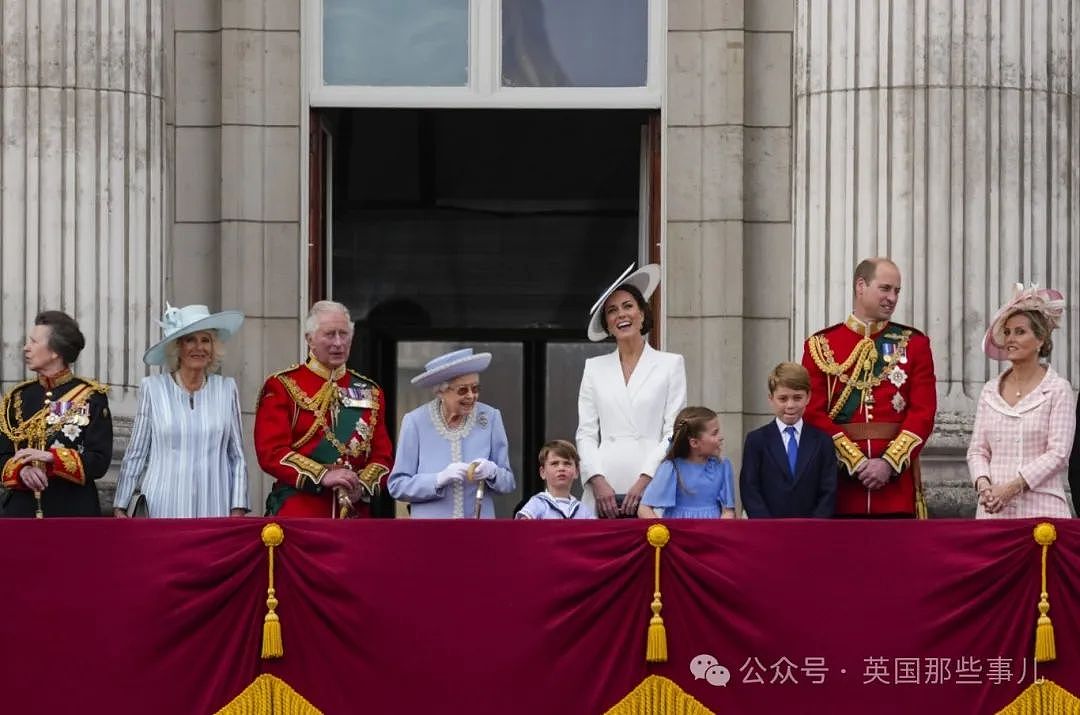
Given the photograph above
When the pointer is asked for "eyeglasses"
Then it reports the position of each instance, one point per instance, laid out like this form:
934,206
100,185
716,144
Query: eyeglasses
465,390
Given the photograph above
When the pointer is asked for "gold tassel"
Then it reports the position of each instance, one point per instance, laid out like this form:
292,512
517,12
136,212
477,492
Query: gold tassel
272,647
656,649
1045,534
920,506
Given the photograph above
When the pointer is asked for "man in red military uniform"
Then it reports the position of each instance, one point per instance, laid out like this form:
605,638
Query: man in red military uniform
872,388
320,428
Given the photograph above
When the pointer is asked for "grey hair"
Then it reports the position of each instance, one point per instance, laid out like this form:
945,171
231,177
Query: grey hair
441,388
172,352
322,307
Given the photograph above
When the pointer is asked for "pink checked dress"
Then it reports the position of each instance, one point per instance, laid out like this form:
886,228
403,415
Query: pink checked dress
1031,439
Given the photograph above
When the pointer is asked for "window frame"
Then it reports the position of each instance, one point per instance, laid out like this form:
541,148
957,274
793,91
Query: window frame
484,88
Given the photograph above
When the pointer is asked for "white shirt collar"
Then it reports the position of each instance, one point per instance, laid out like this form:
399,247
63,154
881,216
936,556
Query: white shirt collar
780,425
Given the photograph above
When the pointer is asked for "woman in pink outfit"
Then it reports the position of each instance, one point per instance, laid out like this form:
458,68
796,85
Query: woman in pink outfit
1025,419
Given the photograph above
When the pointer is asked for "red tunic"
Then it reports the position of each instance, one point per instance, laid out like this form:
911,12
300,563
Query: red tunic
881,375
302,429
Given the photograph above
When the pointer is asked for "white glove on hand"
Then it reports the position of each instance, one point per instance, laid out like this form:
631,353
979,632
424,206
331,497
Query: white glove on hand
485,469
454,472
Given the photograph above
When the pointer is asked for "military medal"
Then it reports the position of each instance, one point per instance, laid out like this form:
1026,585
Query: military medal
897,376
898,402
887,352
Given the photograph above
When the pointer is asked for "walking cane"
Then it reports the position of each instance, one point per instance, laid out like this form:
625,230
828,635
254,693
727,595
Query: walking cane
480,486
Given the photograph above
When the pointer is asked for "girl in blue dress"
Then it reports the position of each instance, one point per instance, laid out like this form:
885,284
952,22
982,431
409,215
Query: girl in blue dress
693,481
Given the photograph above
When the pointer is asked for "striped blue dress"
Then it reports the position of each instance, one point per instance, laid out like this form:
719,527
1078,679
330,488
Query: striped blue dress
186,452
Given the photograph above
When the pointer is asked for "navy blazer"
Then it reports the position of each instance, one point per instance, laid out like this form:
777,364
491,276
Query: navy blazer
769,489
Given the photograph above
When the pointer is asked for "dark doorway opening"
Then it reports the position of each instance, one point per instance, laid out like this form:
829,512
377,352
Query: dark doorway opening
492,229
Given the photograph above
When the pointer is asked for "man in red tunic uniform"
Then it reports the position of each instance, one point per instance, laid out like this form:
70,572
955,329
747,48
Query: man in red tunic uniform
872,388
320,428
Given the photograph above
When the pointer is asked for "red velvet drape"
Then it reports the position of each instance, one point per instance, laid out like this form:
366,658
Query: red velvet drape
104,616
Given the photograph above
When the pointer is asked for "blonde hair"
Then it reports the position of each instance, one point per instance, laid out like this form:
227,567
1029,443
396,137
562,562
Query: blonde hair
172,352
791,375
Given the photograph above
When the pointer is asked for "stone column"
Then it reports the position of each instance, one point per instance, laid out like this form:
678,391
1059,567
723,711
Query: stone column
81,179
728,154
238,176
704,201
941,133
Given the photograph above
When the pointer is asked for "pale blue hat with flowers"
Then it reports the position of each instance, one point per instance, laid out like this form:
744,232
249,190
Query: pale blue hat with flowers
178,322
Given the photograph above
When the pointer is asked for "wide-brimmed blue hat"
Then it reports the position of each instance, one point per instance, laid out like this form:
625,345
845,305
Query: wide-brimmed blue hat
178,322
453,364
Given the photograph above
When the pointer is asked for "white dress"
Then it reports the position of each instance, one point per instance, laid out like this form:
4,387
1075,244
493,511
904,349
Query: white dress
186,449
623,427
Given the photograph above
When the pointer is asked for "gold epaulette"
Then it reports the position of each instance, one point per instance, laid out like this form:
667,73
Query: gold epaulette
825,330
271,376
94,385
365,378
279,373
907,328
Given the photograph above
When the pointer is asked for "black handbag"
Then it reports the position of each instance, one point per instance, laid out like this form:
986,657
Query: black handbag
137,507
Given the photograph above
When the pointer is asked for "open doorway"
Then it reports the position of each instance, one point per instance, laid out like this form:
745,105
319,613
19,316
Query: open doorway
493,229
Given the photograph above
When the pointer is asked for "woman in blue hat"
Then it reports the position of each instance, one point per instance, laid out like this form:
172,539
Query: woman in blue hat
454,448
186,455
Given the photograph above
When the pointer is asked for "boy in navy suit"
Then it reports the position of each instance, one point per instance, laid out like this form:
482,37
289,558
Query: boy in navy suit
789,467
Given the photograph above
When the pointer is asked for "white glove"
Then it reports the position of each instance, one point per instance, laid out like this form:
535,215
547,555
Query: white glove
485,469
454,472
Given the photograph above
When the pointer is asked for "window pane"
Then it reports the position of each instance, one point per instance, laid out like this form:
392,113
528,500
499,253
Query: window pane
388,43
564,43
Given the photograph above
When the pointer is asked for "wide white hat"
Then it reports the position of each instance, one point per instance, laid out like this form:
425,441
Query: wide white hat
178,322
453,364
645,279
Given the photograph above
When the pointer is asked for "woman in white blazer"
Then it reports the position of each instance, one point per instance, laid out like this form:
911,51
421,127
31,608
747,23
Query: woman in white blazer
628,398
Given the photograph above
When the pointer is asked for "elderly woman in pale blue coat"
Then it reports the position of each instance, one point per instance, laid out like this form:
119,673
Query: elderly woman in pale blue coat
438,442
186,454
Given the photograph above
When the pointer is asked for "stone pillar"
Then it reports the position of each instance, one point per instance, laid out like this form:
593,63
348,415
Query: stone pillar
728,255
238,181
704,199
82,179
941,133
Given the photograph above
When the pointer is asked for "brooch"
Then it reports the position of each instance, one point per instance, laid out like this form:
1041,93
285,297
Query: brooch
482,420
897,376
898,402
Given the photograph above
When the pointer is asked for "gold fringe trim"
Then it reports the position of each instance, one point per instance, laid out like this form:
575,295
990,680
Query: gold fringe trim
268,695
272,646
1045,651
656,649
656,695
1043,697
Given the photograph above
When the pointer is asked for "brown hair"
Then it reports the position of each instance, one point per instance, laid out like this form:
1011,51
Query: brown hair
867,270
642,304
560,448
791,375
1039,326
689,424
65,338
